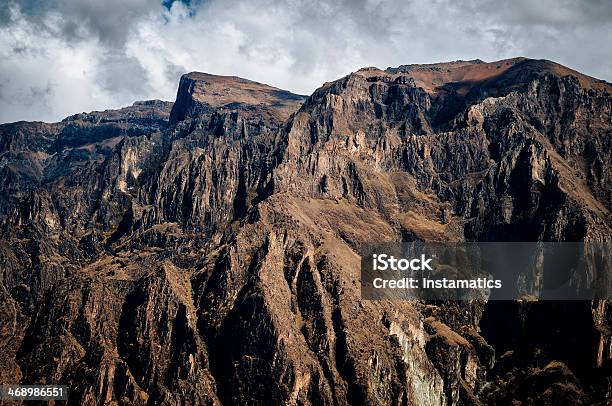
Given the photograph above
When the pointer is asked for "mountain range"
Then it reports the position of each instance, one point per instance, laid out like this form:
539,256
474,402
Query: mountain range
206,251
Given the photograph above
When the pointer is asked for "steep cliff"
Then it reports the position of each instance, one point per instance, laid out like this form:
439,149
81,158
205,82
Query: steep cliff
209,254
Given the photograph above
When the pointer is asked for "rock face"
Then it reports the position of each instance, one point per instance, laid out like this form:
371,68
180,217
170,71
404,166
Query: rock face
207,254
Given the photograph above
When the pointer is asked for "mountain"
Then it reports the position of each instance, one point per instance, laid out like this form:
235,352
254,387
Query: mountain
206,252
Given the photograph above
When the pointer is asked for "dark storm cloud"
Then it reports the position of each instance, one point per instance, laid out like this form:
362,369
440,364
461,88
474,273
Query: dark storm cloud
100,54
108,20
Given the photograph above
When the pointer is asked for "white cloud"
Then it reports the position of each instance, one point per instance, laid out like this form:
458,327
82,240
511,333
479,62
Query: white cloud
68,57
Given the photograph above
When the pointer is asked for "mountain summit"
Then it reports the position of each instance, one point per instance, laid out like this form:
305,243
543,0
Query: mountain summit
207,252
200,90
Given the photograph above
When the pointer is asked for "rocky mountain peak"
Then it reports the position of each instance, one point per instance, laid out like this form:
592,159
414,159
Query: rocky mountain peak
199,92
463,76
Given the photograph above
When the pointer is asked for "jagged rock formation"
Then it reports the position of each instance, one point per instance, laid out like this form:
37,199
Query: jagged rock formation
209,254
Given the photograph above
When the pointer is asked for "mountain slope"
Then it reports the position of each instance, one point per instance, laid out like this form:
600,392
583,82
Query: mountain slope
215,259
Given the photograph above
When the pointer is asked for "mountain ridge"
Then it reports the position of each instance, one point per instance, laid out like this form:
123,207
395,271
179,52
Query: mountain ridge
210,253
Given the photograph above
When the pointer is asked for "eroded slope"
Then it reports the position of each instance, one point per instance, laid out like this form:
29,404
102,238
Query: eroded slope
216,260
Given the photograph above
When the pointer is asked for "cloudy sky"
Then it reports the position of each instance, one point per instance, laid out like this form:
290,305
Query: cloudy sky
59,57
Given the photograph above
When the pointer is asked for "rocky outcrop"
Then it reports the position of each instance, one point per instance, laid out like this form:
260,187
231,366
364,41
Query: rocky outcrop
209,255
32,154
199,93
